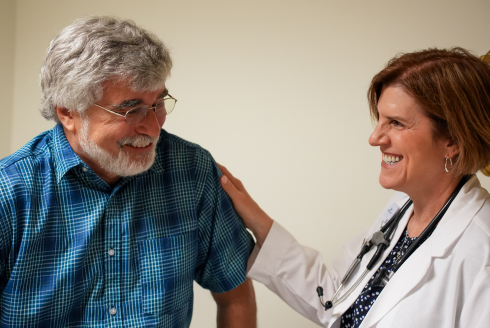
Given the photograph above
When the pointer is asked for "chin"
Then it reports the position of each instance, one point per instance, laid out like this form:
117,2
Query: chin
389,183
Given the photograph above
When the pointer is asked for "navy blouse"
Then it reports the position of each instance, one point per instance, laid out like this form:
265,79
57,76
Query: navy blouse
352,318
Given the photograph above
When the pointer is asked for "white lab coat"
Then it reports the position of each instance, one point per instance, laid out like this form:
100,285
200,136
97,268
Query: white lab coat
445,283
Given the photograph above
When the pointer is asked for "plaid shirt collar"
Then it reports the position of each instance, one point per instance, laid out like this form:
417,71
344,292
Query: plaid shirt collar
65,158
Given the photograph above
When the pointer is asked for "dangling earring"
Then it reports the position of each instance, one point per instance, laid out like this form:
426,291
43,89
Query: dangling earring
450,162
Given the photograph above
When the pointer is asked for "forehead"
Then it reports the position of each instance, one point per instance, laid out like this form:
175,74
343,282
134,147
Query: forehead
395,101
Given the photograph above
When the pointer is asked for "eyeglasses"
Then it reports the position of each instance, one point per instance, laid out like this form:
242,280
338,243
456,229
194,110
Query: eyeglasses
137,114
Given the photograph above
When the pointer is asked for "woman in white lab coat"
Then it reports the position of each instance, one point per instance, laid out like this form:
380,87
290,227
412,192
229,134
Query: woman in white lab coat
432,110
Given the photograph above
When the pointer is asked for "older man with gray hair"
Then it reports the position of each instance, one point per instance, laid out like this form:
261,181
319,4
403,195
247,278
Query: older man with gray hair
106,220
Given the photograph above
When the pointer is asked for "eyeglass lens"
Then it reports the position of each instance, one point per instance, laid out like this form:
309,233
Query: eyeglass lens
162,108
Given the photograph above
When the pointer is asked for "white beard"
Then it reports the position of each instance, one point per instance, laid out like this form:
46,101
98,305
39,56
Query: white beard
121,165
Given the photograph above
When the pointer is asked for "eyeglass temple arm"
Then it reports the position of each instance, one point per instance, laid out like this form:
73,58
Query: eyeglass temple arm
110,111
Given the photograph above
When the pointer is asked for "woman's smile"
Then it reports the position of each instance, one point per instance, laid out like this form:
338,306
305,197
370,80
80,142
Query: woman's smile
391,159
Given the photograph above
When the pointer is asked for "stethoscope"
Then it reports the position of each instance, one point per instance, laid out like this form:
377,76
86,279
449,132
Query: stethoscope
381,239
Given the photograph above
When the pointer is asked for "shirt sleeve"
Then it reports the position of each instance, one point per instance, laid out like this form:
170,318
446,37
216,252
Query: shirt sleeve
7,203
224,243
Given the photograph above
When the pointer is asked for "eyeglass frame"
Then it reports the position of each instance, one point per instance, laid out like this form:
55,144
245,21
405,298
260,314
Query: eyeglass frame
147,112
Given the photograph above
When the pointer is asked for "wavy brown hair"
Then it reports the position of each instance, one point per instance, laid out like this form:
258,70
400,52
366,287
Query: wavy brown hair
453,88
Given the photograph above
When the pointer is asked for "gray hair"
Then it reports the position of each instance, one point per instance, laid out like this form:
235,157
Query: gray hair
95,49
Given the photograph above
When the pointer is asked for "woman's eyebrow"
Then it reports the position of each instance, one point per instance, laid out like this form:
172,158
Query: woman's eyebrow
396,118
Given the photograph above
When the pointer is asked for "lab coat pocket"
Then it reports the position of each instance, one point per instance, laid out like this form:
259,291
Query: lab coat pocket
167,272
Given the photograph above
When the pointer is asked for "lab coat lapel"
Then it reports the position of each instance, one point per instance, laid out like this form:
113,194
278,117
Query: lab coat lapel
411,274
342,307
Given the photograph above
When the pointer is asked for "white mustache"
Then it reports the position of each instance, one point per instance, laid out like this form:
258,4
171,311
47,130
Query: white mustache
141,140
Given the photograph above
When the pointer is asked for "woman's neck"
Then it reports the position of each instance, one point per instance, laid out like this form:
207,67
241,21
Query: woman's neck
428,202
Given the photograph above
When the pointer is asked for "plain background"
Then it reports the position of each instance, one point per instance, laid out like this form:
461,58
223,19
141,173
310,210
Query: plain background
275,90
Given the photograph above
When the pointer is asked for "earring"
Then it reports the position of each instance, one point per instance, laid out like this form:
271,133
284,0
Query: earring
450,162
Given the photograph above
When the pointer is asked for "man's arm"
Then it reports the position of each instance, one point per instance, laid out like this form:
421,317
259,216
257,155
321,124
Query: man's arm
237,307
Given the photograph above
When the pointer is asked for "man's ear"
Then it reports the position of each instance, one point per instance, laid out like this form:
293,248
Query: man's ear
66,118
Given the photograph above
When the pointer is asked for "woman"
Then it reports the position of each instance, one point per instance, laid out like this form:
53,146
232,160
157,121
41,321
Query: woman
432,110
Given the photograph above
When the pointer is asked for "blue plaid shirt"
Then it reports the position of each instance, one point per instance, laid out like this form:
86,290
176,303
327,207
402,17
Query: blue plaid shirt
75,252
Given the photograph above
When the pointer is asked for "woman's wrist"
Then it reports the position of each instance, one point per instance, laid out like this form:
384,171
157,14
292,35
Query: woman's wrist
262,229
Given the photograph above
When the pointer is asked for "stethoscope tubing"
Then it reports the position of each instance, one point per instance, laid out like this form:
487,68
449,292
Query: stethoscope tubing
432,225
382,243
386,231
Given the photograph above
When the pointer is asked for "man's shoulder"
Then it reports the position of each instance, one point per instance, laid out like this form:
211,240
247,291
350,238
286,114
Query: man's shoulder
181,158
173,147
178,142
23,159
20,172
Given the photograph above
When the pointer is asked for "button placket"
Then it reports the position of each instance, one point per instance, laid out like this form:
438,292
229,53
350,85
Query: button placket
113,265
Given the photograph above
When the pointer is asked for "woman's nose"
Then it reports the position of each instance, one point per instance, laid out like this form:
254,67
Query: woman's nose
378,137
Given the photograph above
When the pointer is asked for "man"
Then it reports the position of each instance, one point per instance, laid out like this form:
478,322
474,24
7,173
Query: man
106,220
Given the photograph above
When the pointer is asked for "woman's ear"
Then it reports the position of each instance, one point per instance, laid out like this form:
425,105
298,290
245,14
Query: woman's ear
452,149
66,118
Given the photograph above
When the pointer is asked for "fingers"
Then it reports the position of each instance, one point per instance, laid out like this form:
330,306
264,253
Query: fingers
237,183
229,188
224,170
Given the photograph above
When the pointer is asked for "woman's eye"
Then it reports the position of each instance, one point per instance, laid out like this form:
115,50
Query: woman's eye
396,123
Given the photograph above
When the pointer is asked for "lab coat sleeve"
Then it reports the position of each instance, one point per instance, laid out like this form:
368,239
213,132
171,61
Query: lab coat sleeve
293,271
475,311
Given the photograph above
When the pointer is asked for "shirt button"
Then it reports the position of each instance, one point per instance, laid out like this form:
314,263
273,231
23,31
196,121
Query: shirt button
84,169
113,311
111,253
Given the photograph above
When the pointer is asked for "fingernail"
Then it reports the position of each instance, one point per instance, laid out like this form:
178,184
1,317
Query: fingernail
224,179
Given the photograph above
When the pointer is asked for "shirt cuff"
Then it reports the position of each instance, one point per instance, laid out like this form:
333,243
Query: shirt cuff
265,260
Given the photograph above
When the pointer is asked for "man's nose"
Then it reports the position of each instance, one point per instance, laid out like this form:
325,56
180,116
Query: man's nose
150,125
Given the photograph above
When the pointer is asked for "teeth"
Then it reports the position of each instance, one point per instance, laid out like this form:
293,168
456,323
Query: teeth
391,159
140,144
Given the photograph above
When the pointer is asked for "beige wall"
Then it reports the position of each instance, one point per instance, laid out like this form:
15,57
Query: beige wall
276,91
7,37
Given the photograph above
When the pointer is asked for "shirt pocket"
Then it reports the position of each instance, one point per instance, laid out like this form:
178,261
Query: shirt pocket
167,268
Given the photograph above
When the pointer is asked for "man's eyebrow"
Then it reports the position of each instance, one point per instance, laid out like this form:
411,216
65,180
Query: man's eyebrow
163,94
135,102
127,103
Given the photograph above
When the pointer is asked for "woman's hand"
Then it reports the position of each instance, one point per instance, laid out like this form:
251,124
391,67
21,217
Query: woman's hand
253,216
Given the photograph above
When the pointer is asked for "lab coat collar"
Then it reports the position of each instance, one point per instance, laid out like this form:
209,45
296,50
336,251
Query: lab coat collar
410,275
464,207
